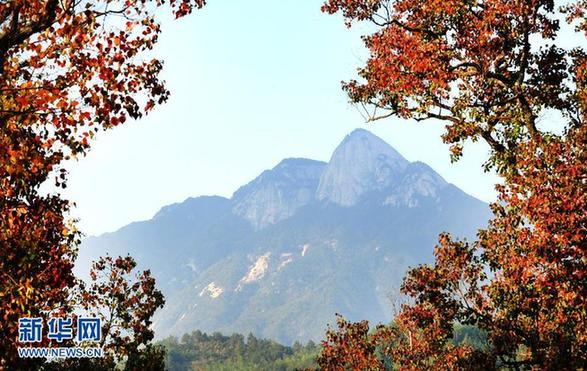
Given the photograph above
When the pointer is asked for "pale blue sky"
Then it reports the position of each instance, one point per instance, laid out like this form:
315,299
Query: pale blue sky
252,82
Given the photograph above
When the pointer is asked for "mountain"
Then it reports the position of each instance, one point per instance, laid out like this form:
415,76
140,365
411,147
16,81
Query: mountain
362,163
278,193
299,243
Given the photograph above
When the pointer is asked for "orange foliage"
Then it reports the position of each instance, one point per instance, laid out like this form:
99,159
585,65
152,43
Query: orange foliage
68,68
489,69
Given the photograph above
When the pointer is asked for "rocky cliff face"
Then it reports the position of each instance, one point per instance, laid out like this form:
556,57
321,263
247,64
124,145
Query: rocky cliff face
416,181
362,163
362,167
278,193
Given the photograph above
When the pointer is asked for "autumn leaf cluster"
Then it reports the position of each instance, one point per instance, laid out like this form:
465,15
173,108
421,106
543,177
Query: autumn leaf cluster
491,70
68,69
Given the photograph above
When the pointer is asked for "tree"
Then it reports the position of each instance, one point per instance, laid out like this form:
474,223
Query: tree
490,69
486,68
349,346
125,306
201,351
68,69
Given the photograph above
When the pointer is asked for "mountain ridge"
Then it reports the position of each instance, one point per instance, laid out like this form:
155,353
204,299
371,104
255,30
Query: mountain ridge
298,243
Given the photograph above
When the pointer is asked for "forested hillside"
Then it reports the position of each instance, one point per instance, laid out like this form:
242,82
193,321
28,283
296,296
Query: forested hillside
200,351
214,352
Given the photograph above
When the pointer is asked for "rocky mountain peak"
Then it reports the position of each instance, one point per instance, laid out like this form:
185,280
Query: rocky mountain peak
276,194
362,163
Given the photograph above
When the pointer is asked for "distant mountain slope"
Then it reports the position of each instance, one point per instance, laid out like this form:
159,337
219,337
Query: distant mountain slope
297,244
278,193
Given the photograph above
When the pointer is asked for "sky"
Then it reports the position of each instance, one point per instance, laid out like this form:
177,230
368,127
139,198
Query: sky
252,83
